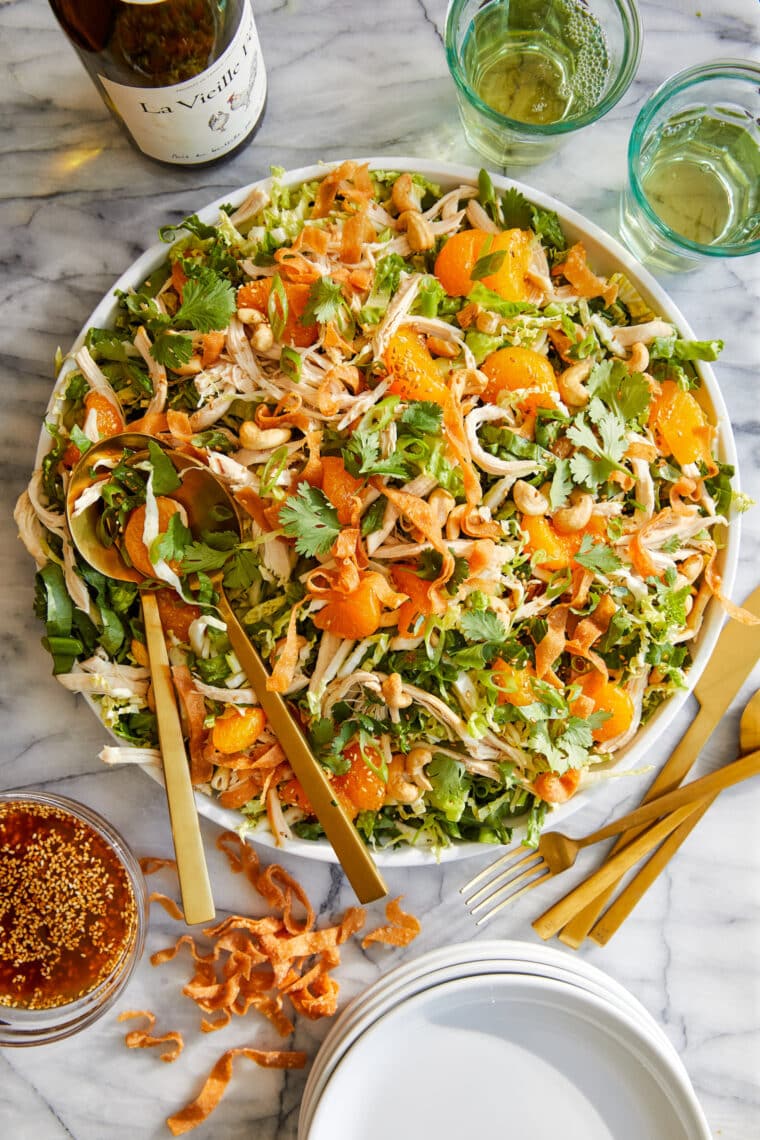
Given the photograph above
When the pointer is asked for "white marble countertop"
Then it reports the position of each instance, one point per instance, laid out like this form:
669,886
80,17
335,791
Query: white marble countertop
77,205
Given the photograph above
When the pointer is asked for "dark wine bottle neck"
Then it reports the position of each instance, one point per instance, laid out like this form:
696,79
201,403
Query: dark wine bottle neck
89,23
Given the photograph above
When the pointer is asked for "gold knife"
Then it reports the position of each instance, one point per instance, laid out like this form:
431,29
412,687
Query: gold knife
736,653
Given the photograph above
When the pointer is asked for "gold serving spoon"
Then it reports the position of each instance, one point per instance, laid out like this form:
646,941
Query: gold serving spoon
197,901
209,498
209,506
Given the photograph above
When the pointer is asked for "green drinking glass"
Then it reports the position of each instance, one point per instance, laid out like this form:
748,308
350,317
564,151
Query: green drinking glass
529,72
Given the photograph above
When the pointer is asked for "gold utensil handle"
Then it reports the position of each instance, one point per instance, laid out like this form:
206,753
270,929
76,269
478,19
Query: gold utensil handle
677,767
556,916
197,901
627,900
356,860
733,659
709,785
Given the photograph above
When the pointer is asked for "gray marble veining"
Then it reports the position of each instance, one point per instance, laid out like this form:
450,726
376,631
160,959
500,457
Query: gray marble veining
77,204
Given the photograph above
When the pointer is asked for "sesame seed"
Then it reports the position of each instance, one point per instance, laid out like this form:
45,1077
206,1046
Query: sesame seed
67,909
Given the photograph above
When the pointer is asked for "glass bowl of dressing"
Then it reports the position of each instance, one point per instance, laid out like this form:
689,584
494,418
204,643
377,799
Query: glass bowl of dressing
73,917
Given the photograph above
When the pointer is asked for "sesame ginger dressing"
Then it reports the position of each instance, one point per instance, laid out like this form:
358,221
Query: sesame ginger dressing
67,909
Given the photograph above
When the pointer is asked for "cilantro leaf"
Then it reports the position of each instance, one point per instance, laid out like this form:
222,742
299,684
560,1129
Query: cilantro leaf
165,477
199,556
241,571
324,302
597,556
561,485
429,568
171,349
362,457
547,225
605,455
482,625
372,519
627,394
208,302
173,543
423,416
310,518
516,210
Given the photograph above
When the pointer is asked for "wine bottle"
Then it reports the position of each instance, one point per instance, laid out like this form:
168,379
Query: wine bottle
185,78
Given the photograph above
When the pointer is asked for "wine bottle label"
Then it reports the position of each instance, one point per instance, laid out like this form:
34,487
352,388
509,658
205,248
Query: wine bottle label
202,118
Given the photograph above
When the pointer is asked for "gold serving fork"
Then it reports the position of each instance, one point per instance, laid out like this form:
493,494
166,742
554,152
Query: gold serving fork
557,852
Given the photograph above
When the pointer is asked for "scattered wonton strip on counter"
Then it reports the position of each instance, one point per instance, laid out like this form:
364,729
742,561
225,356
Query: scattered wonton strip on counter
244,963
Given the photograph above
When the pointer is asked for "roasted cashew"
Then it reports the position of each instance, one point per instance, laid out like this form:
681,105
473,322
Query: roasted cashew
254,438
576,516
418,232
406,194
638,361
262,338
690,569
399,789
571,381
528,499
415,764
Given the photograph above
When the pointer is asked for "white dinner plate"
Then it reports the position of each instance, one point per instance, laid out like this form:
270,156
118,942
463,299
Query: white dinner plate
605,255
487,1053
450,963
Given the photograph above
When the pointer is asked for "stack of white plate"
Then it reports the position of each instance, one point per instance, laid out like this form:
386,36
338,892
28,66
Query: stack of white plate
498,1038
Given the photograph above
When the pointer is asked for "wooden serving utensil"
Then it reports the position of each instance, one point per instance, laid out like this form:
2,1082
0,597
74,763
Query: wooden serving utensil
206,499
195,887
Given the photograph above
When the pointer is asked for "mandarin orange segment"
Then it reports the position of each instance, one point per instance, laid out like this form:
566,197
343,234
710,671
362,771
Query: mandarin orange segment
681,425
556,789
460,253
353,616
412,369
515,368
363,788
541,535
176,615
237,729
133,533
515,685
255,295
108,421
608,697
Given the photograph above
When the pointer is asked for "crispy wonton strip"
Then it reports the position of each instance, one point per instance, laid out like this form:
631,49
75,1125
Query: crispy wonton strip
577,272
144,1039
591,628
151,863
169,905
194,707
213,1090
401,928
420,514
552,643
282,675
713,582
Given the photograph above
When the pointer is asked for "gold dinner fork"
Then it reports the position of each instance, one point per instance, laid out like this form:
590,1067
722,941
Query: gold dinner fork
557,852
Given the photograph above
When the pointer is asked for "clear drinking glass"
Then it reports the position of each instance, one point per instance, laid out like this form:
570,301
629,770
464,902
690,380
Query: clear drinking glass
529,72
693,190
